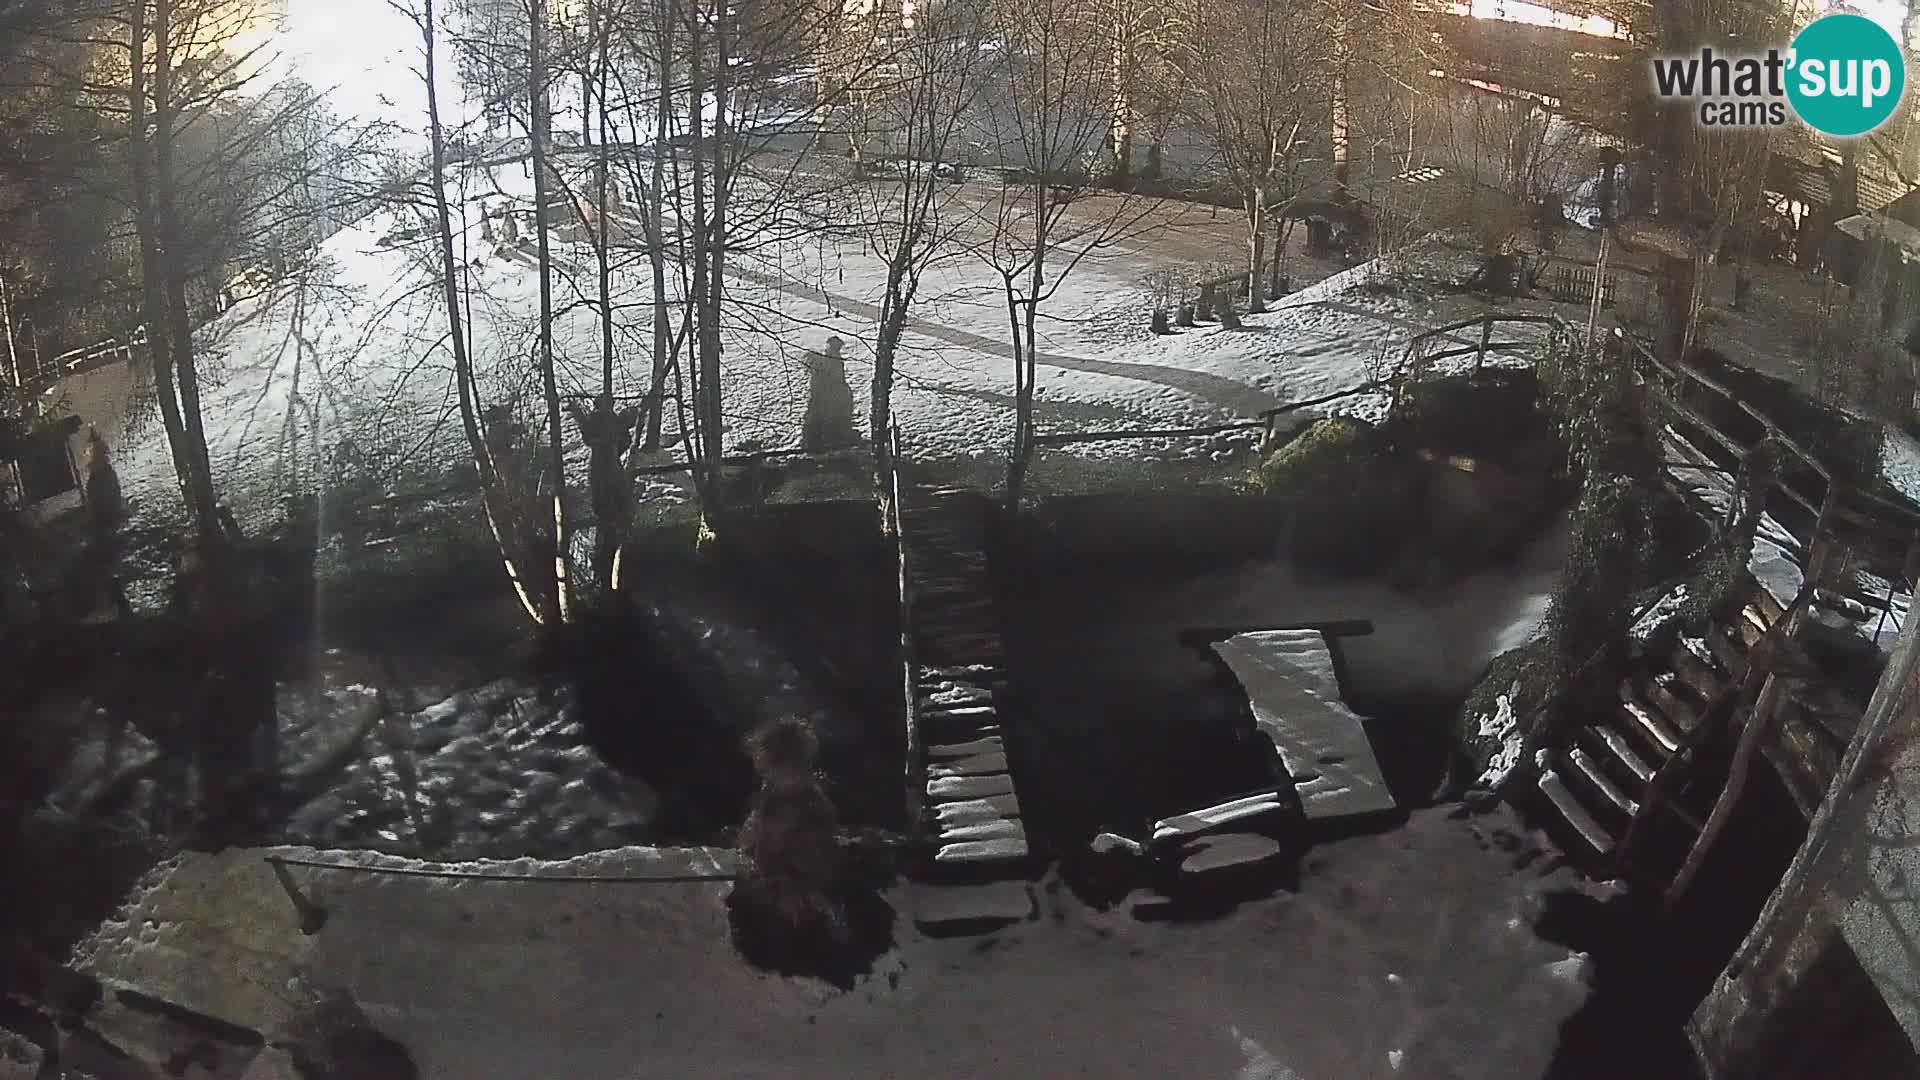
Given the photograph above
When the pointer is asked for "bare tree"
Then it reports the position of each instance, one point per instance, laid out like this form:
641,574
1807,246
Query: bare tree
922,99
539,133
511,531
1256,69
1053,95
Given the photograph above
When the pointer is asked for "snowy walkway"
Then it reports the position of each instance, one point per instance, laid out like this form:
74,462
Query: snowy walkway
1234,397
1357,976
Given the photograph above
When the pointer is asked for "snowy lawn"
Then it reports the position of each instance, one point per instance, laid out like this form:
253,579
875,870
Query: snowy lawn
357,353
1405,954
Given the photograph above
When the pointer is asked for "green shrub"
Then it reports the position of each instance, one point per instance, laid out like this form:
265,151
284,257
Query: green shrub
1590,616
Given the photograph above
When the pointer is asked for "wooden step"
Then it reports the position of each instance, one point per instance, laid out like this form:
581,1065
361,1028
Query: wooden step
953,788
977,765
1576,815
1005,849
1697,673
991,829
1652,726
985,808
1661,693
1769,605
1617,746
1589,770
1727,656
955,699
989,745
1753,615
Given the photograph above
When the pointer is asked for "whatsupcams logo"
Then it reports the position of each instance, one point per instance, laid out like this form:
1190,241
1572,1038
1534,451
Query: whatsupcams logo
1843,76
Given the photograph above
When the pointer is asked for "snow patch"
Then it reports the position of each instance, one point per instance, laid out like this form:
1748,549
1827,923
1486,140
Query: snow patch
1900,462
1502,729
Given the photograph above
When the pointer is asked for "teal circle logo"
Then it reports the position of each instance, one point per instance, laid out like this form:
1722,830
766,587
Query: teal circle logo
1845,75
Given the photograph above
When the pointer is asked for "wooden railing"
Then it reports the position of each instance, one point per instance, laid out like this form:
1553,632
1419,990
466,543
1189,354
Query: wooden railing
74,361
1872,523
895,526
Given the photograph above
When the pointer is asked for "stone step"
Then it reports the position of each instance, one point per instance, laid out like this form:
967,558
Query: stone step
1575,814
981,908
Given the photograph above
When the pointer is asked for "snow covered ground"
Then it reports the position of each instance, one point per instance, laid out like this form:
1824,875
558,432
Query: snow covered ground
1356,976
357,354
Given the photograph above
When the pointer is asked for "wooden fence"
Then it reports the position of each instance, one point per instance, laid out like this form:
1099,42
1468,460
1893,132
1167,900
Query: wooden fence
1574,285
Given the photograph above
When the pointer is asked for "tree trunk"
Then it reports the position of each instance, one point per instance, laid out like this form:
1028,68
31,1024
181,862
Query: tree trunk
716,235
152,305
603,237
705,446
541,122
1024,315
6,321
657,233
893,322
1676,297
1338,108
1256,203
507,537
1120,134
163,286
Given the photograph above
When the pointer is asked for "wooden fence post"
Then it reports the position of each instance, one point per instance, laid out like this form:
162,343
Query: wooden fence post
1486,336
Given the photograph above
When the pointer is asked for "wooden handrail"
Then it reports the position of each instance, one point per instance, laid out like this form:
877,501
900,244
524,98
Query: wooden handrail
1063,438
915,787
1736,689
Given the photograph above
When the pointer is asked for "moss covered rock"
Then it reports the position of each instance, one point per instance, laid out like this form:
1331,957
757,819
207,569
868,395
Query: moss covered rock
1344,496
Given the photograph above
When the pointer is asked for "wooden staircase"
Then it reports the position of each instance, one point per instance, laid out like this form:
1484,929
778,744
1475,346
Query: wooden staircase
1620,782
972,808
